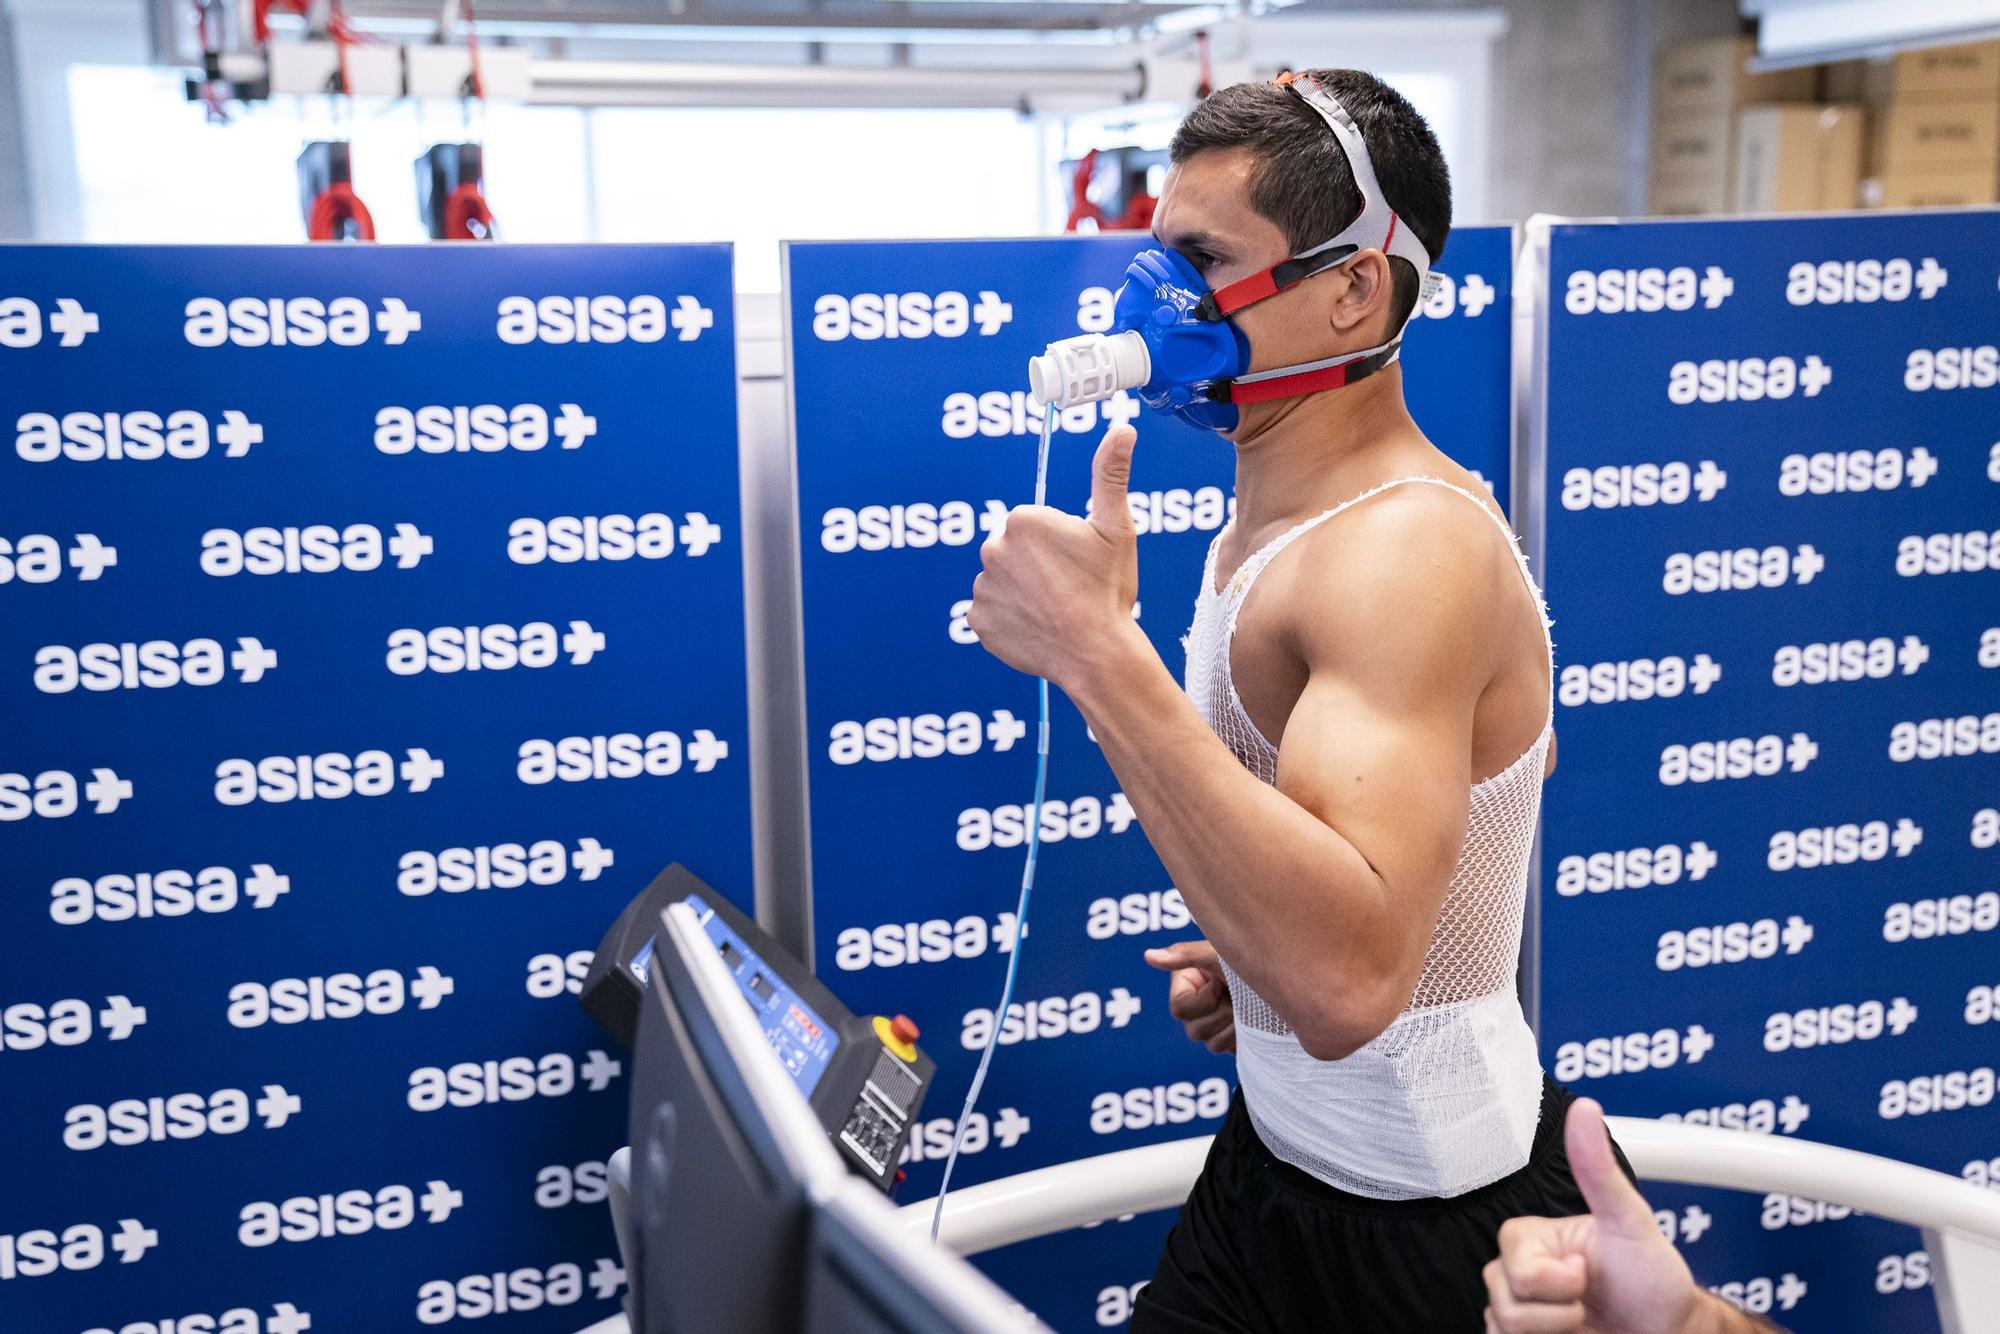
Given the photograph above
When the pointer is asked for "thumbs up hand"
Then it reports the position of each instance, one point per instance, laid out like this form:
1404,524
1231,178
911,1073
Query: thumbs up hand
1605,1272
1054,587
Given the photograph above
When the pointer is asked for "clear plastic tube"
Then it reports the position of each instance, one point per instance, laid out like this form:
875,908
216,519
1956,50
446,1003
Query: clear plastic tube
1027,878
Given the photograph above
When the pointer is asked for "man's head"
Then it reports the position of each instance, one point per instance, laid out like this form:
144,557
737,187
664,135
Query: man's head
1257,177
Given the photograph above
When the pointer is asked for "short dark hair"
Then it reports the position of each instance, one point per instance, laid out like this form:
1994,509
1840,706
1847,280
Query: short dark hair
1302,181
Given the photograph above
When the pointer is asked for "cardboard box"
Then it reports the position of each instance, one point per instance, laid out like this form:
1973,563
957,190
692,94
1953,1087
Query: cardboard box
1672,195
1687,145
1797,159
1687,197
1844,81
1968,70
1942,71
1689,164
1711,77
1938,185
1912,131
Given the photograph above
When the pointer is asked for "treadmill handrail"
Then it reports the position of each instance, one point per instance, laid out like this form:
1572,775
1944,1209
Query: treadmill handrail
1134,1181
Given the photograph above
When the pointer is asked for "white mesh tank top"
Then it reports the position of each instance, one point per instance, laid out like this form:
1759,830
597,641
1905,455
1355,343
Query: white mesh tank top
1447,1098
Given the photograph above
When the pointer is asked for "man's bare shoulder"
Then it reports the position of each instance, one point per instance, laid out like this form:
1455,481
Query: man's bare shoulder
1405,579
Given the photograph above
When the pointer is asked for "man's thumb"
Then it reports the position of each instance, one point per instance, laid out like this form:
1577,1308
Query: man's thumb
1180,954
1110,475
1613,1201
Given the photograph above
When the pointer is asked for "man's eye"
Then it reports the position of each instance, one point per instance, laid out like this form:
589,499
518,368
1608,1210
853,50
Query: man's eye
1202,261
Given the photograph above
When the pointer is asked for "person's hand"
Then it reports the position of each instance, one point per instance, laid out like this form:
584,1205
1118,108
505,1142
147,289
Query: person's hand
1054,586
1197,993
1609,1271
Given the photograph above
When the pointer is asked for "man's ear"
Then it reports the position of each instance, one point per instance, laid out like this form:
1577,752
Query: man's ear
1367,293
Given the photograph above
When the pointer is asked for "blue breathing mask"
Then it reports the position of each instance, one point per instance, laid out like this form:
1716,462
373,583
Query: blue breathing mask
1161,301
1197,357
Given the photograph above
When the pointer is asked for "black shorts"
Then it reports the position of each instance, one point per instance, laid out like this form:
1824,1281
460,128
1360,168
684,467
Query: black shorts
1264,1248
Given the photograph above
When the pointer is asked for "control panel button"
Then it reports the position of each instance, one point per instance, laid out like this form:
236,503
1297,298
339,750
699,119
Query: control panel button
893,1037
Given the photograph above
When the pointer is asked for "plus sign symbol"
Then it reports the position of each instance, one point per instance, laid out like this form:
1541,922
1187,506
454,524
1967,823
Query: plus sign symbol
590,859
439,1201
599,1070
420,770
119,1017
1009,1126
690,318
582,643
1814,376
1716,287
72,321
237,433
277,1106
1931,277
106,790
1475,294
707,750
991,313
251,660
431,987
396,321
698,534
1005,729
265,884
1003,932
132,1240
573,426
1121,1006
410,545
1797,934
605,1280
286,1318
90,558
1901,1015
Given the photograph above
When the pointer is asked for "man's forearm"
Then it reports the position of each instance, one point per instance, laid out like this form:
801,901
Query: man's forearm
1282,896
1713,1315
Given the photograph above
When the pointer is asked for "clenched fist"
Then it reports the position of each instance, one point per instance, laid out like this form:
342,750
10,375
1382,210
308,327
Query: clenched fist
1197,993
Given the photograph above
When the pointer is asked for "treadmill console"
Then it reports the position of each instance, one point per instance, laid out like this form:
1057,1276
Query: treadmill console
864,1077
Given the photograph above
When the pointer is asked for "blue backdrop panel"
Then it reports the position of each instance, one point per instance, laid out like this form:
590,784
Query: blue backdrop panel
913,440
309,1047
1767,849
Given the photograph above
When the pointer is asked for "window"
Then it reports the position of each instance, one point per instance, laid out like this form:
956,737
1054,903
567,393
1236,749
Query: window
757,177
150,169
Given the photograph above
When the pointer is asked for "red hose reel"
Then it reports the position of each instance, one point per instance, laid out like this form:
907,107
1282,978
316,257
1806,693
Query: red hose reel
326,188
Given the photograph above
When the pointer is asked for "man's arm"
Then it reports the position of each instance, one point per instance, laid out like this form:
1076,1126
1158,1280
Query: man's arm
1323,890
1609,1269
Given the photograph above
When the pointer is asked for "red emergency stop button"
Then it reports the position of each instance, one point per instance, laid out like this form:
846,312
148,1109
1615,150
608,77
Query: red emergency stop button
898,1035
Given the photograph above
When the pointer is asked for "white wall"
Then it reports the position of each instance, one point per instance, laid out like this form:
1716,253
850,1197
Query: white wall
48,37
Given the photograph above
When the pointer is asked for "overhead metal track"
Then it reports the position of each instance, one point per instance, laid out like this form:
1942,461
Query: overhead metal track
529,21
686,84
